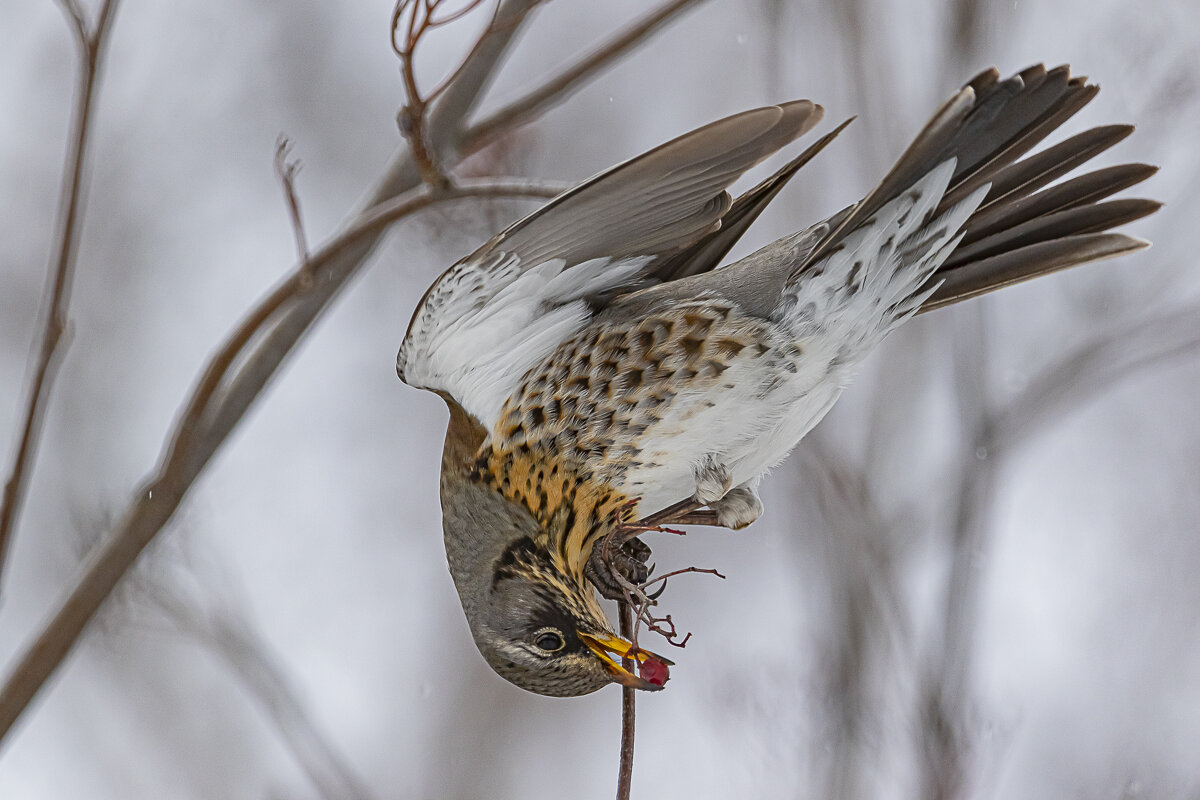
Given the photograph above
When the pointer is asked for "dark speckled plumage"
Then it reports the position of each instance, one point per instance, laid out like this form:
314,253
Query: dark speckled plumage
597,363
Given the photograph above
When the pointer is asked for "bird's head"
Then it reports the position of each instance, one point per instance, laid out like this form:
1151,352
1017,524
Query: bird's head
535,619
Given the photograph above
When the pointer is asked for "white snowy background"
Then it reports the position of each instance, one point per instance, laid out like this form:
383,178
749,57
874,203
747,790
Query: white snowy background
314,535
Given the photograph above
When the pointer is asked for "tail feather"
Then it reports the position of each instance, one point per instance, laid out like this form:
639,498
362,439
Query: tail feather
1021,229
1032,173
1083,190
1016,266
1048,227
1019,225
1042,102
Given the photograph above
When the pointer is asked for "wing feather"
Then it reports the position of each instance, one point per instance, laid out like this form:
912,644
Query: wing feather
492,316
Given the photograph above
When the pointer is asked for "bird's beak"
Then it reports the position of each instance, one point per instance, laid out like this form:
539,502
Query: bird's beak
606,646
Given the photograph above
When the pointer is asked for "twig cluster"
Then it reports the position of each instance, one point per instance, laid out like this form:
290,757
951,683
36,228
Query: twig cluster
642,597
412,22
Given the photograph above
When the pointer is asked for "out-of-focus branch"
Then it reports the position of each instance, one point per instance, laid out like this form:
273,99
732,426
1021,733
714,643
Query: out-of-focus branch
1111,357
868,624
200,431
944,689
91,42
336,266
992,435
252,355
226,634
571,79
286,171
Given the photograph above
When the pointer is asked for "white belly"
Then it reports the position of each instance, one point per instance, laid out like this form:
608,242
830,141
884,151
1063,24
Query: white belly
749,423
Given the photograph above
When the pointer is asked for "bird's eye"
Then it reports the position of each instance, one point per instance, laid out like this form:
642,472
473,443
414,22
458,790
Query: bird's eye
549,640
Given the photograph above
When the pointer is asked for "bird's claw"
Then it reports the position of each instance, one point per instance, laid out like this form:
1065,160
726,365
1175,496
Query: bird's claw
612,572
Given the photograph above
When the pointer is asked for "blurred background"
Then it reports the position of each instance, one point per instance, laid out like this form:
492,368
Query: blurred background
980,577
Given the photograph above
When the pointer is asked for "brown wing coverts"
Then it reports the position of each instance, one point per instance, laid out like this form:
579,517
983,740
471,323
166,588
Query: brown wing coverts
706,253
659,201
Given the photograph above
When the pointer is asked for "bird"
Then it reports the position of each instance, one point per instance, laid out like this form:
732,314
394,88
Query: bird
600,363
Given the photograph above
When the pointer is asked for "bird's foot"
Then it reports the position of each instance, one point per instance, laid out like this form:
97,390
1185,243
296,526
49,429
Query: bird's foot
614,569
739,507
728,507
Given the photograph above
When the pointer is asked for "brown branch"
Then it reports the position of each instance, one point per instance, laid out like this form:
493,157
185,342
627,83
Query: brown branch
1111,357
416,18
286,172
201,429
637,595
453,141
223,395
419,18
570,80
226,633
1116,355
945,688
866,626
91,44
628,712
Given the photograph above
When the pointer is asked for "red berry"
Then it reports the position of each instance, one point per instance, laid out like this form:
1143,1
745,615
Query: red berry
654,671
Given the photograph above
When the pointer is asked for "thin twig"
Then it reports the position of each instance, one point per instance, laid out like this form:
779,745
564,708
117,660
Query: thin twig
286,171
417,19
411,117
637,595
946,686
91,46
628,711
570,80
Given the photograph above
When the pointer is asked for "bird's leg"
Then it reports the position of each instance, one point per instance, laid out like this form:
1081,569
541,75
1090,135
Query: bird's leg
617,565
614,568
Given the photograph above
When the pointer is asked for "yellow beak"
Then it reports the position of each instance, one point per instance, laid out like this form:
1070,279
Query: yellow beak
605,646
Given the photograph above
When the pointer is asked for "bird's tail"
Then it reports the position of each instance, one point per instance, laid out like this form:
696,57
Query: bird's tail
1019,229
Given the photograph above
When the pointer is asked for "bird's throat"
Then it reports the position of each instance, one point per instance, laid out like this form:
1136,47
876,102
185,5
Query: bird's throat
573,511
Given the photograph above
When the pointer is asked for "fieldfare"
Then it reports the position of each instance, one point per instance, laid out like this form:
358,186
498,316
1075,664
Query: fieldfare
599,366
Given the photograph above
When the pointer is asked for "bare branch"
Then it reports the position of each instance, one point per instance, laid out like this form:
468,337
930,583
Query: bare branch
1114,356
868,630
200,431
416,19
945,689
62,271
79,23
488,31
572,79
1111,357
224,394
286,172
628,712
227,635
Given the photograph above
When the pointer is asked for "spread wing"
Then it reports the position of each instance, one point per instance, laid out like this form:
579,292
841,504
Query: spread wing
509,305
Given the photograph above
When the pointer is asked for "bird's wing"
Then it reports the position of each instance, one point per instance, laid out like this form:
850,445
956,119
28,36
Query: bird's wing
496,313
